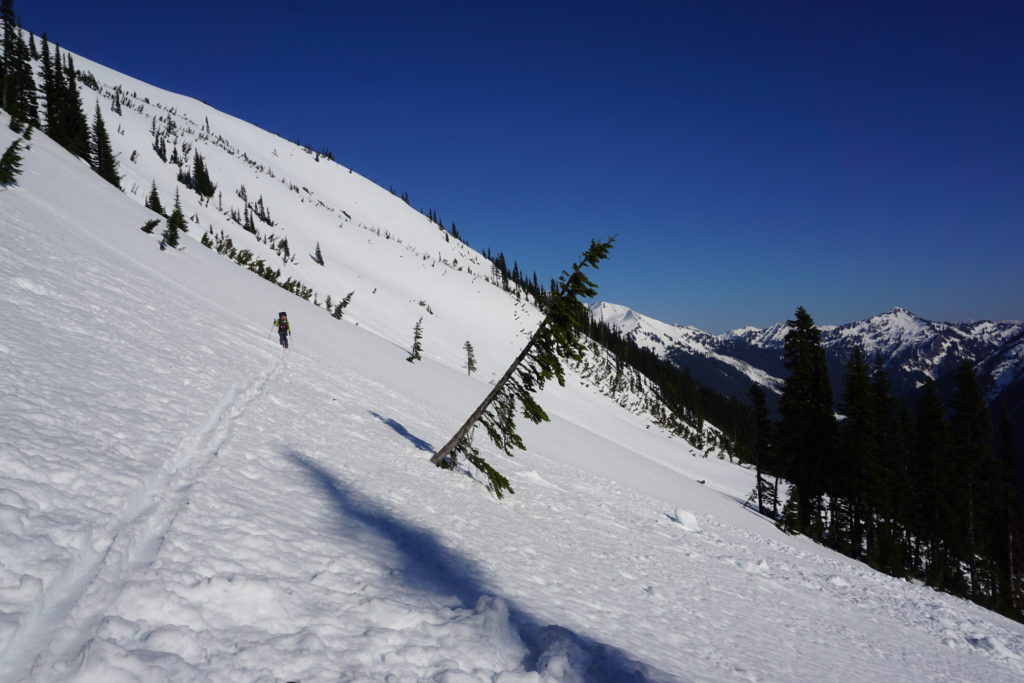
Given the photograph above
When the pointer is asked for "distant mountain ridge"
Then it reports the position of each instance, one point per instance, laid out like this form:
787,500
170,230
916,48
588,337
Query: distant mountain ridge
912,349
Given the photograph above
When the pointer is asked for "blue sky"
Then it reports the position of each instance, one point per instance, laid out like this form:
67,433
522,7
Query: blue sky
751,156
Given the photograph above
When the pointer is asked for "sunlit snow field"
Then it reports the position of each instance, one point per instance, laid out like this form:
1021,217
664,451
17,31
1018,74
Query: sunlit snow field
181,499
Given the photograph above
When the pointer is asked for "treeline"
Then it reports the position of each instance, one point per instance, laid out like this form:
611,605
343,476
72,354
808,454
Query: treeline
923,492
680,391
61,105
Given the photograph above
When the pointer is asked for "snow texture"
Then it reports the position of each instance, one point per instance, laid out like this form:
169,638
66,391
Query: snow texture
181,499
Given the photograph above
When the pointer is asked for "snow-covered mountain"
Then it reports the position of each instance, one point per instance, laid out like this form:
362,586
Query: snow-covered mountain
911,347
181,499
702,353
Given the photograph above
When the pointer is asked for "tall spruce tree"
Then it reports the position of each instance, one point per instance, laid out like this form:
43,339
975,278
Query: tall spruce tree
47,88
885,478
762,454
937,512
807,433
1006,519
971,429
8,64
17,84
101,155
75,126
850,509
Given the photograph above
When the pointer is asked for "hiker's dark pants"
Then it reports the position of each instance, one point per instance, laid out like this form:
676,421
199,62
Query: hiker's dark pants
284,338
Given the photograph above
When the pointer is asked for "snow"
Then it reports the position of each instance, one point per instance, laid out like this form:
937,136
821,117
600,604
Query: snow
183,500
662,337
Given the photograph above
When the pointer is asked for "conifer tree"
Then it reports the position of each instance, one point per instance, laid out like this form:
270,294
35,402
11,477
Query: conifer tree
10,163
1005,517
971,429
885,477
48,87
57,103
339,309
538,362
153,202
417,346
808,429
17,85
101,155
850,511
75,127
8,66
937,509
318,255
175,223
201,177
470,358
762,451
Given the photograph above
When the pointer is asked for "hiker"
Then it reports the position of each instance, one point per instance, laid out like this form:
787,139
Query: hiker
284,328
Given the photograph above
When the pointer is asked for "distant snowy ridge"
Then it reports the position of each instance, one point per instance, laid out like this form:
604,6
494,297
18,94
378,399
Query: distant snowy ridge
667,340
911,347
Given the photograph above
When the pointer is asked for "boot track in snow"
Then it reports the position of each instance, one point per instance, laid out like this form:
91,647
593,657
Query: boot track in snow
51,639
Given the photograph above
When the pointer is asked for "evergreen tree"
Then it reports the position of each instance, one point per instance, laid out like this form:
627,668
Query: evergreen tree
470,358
17,85
153,200
201,177
417,347
807,432
886,477
937,512
762,452
175,223
850,511
10,163
57,101
75,126
1006,518
339,309
538,362
101,155
47,87
318,255
971,429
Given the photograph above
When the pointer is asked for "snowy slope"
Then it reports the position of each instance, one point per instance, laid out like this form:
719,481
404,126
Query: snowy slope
182,500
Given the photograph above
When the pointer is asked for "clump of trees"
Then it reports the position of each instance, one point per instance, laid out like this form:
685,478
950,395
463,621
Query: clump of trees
924,491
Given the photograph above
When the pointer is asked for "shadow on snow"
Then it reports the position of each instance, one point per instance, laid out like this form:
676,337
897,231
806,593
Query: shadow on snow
428,565
404,433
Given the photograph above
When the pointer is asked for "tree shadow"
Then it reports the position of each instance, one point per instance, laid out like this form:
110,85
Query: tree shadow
404,433
429,565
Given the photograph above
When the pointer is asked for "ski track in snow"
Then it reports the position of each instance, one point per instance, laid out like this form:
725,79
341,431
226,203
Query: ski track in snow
51,639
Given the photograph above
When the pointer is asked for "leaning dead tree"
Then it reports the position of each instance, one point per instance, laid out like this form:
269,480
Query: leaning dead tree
557,337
